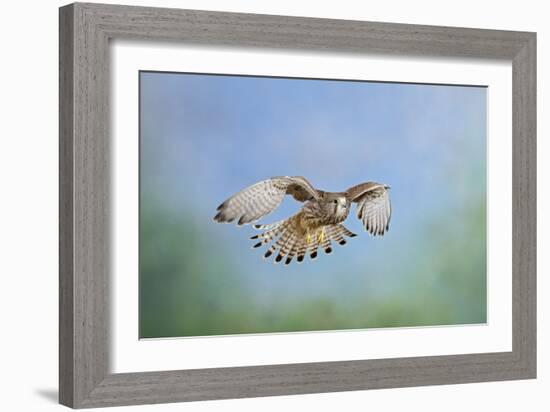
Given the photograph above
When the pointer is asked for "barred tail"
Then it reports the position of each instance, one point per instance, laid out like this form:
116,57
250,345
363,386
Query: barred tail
289,241
271,225
322,240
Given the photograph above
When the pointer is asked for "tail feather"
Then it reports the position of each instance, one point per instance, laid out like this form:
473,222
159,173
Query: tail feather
287,246
284,244
269,235
280,244
301,249
313,246
325,244
292,249
346,232
289,242
271,225
337,233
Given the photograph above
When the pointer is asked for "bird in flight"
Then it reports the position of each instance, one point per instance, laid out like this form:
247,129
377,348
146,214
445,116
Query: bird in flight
317,223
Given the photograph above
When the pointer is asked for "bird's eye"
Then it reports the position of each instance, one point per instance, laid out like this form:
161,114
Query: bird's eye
335,201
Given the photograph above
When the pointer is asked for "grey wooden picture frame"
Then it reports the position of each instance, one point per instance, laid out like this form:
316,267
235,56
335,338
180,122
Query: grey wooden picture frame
85,32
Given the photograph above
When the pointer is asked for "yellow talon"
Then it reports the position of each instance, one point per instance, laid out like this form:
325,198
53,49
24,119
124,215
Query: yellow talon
321,236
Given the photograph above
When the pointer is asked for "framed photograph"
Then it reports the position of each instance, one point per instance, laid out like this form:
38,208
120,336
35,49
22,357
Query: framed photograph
257,205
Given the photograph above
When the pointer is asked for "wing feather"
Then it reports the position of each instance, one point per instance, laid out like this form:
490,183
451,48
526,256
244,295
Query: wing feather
256,201
373,206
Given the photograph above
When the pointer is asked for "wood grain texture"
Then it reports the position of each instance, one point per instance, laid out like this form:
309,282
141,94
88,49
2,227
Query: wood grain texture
84,159
66,228
85,31
524,205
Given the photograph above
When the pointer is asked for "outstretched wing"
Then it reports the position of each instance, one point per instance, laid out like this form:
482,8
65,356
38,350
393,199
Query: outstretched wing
373,206
261,198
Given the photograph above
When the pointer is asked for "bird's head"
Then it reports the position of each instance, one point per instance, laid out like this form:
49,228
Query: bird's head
337,204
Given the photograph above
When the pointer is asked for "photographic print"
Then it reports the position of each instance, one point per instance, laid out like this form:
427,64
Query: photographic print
279,205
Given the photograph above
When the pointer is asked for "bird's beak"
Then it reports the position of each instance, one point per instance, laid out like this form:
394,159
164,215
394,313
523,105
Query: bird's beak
387,187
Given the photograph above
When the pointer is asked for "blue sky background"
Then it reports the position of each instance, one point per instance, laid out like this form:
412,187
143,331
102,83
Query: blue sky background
205,137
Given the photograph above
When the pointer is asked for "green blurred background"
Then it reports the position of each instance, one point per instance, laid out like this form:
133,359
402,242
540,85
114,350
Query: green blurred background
203,138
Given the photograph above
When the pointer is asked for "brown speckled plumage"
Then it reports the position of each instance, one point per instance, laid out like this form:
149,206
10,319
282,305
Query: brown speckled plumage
316,225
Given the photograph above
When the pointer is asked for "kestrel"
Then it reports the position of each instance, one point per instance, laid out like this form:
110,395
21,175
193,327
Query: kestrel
317,223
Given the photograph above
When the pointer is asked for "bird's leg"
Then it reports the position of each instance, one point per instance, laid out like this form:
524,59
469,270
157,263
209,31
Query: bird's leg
321,235
308,237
